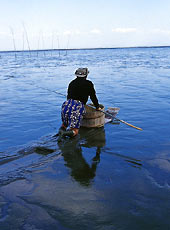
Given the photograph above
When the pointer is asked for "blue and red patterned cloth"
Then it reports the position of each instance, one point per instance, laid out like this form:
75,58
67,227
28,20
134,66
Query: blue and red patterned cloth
72,113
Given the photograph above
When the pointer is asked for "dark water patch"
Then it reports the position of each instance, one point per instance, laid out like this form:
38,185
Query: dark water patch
43,150
17,163
7,77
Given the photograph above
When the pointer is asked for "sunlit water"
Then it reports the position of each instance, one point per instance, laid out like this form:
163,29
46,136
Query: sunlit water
115,177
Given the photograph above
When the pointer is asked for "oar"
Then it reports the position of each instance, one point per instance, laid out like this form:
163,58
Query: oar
124,122
117,118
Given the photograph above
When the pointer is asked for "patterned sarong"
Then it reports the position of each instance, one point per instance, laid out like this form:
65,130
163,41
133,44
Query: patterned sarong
72,113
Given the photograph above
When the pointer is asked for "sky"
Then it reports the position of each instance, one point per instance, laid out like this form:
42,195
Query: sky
69,24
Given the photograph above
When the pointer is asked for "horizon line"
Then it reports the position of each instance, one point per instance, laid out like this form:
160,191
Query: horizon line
69,49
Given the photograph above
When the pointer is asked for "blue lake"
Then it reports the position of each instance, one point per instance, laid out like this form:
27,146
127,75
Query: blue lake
115,177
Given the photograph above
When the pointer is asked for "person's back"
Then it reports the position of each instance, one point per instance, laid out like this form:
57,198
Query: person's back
80,89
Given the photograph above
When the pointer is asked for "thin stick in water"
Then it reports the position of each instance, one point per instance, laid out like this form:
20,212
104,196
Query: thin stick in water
13,39
27,39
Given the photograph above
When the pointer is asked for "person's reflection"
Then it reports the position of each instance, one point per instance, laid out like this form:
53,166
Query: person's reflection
82,171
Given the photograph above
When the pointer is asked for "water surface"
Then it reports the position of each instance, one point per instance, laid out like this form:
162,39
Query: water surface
115,177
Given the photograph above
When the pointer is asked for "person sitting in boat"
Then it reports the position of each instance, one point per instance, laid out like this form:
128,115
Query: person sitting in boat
73,108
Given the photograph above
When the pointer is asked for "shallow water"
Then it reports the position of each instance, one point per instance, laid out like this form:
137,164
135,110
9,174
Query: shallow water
115,177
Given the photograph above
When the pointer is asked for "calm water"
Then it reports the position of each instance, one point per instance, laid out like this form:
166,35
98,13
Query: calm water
109,178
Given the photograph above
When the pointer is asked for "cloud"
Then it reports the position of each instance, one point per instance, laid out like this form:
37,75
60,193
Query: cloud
77,32
95,31
6,33
3,33
160,31
67,32
73,32
124,30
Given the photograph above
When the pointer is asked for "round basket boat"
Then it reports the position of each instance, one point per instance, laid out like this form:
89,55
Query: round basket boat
93,118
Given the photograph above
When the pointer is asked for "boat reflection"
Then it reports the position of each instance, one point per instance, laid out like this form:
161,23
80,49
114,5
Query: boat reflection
72,151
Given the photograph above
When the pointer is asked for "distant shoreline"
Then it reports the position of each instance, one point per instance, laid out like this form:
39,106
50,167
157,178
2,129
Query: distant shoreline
42,50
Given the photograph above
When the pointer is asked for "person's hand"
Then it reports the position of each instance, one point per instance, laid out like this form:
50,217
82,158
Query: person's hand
100,108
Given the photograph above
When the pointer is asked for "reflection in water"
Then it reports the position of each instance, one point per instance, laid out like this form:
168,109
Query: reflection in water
134,162
82,171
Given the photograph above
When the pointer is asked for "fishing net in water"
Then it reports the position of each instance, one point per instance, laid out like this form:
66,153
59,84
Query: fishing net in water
113,112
